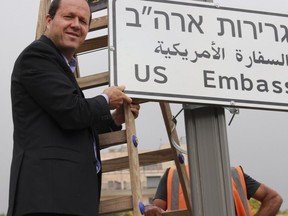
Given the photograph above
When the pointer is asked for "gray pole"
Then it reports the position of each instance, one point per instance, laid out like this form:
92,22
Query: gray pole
208,158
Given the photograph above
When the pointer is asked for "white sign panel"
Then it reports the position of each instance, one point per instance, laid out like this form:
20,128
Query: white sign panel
191,52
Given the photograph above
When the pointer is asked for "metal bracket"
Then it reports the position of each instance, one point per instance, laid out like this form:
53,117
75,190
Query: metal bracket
233,110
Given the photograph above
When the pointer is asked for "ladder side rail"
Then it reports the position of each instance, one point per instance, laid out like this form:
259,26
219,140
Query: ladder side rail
132,148
172,134
41,23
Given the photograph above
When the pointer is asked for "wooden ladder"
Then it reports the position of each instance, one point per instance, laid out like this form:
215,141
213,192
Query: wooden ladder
134,160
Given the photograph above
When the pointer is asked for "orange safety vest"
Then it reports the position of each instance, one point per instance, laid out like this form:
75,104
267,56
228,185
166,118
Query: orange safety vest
176,200
175,197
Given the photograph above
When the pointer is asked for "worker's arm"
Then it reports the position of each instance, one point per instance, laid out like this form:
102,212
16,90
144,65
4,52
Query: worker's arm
160,203
270,201
156,208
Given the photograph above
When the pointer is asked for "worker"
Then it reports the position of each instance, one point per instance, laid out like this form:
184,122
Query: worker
244,187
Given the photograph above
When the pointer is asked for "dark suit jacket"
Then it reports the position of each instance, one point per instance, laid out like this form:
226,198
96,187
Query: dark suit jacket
53,165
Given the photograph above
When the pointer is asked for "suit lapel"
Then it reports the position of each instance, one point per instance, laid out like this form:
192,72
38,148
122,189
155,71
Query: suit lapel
67,71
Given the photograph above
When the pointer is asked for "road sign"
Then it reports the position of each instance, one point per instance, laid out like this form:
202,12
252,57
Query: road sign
188,52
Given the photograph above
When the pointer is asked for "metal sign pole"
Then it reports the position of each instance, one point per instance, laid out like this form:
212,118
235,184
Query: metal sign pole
209,165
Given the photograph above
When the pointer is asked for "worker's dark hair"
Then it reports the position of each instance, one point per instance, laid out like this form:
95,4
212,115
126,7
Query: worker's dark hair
54,6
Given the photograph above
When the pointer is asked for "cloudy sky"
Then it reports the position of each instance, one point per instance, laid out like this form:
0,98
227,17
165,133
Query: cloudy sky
257,139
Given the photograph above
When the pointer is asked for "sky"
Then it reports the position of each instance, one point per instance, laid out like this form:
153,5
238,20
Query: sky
257,139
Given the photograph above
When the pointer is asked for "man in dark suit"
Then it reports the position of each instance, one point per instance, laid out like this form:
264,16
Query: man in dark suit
56,168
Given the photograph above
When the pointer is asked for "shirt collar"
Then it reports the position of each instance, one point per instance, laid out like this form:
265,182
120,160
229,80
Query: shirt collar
71,64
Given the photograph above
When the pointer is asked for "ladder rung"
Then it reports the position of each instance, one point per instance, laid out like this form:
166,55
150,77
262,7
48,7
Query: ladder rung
147,158
93,44
95,80
117,204
99,23
98,5
155,157
112,138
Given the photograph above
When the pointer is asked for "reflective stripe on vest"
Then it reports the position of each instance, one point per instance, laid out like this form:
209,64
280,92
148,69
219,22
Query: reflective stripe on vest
172,190
175,197
241,202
